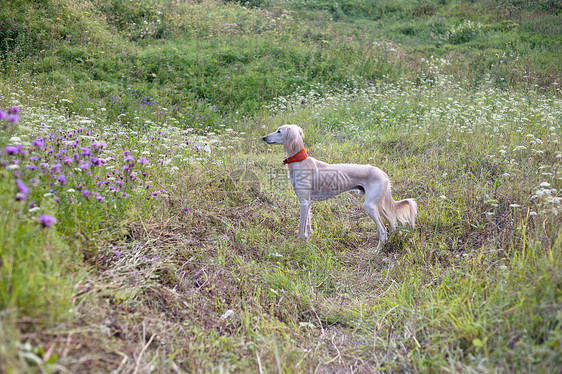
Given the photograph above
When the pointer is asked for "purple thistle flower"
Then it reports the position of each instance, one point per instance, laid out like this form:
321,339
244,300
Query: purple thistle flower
46,220
99,197
23,191
61,179
99,145
13,110
117,254
129,159
85,152
37,142
13,118
3,115
142,160
11,150
96,161
86,194
84,165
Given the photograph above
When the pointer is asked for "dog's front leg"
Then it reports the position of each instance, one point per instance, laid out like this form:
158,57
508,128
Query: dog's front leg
304,223
309,221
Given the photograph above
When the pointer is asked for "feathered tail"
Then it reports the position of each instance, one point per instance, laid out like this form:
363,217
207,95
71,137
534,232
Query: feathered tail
404,211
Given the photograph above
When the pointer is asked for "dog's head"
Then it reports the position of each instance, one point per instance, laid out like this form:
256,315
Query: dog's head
285,135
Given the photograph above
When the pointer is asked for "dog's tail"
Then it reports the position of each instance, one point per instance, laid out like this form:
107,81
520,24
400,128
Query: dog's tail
404,211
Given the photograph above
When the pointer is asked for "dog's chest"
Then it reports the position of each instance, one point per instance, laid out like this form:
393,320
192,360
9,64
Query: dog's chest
318,184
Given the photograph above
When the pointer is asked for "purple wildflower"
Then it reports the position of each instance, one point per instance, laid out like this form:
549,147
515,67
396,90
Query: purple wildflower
13,110
99,145
96,161
61,179
85,152
117,254
142,160
13,118
11,150
86,194
46,220
37,142
23,191
3,115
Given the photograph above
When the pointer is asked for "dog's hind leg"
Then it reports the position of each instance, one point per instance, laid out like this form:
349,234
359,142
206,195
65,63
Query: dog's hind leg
373,212
373,197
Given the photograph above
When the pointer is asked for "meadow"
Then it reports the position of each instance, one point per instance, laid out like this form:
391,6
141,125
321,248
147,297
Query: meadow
146,227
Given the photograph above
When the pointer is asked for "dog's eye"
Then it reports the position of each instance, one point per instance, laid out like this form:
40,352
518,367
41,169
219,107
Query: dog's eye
279,131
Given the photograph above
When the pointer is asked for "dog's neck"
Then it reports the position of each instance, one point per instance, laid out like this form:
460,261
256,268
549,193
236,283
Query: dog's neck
295,147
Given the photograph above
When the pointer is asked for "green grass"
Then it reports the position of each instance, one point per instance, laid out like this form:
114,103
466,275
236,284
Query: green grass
139,283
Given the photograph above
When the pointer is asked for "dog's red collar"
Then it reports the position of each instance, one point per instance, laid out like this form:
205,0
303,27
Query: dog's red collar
296,158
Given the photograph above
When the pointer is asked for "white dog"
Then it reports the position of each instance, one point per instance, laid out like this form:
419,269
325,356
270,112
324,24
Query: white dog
315,180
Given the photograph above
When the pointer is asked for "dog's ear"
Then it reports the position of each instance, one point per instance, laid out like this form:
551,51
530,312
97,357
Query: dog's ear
301,133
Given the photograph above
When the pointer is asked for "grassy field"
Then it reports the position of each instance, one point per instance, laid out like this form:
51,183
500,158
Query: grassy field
146,227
